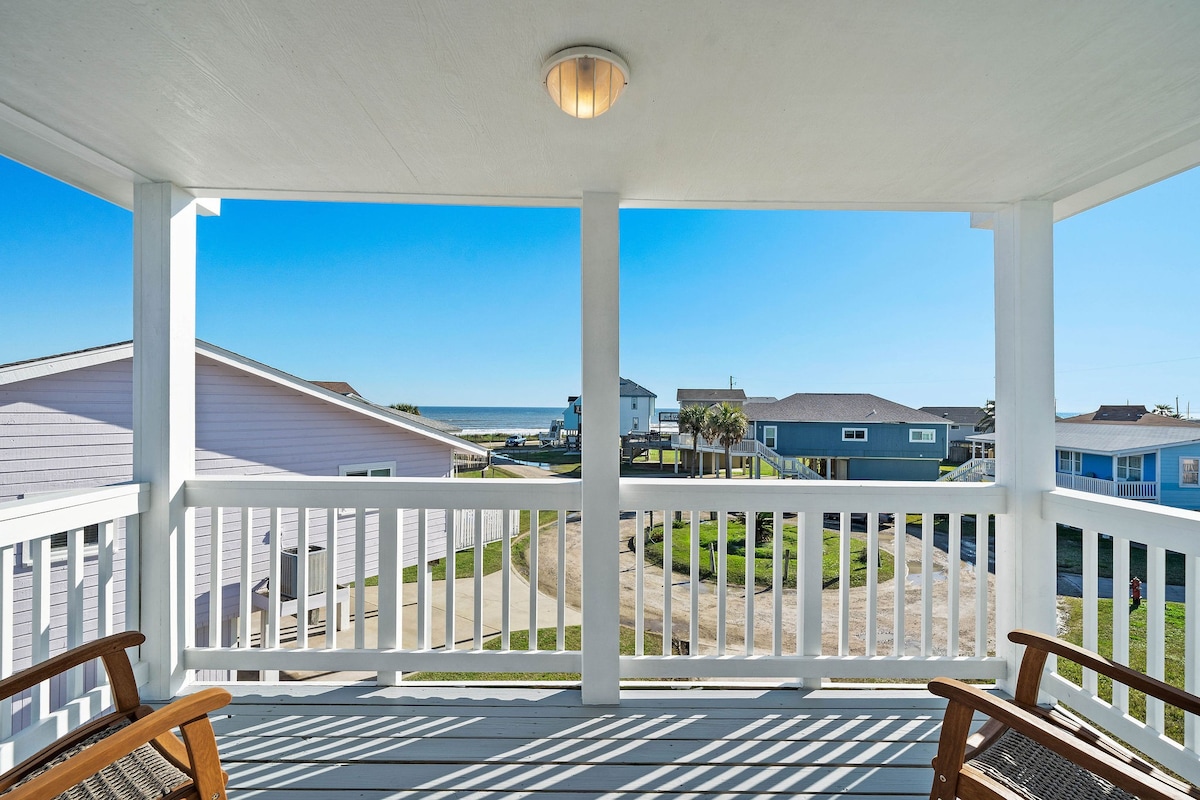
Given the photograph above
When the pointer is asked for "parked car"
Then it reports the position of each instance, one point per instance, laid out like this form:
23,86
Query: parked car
514,441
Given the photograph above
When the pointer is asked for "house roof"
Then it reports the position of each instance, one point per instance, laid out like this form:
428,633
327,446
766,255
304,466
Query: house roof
959,415
1129,415
864,408
930,104
1098,437
78,359
709,395
632,389
341,387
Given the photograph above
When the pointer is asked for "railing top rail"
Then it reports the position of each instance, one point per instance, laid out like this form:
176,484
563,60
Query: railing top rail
46,514
1176,529
314,492
820,496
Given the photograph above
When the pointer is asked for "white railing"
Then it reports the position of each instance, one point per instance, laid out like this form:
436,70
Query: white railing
1118,537
784,465
1129,490
62,558
907,627
372,528
977,469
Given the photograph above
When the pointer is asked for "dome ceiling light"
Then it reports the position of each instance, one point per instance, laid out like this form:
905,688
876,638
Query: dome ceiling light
585,81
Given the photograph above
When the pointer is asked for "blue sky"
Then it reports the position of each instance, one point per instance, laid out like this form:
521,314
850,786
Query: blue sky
480,306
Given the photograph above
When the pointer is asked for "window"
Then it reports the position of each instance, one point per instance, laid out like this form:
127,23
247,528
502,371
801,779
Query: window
770,434
1070,462
633,402
922,435
1129,468
635,423
380,469
854,434
91,538
1189,472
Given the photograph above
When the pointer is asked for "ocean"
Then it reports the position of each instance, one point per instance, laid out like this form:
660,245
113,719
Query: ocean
525,420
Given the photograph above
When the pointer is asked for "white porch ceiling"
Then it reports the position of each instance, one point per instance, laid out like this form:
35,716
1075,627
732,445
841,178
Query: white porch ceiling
922,105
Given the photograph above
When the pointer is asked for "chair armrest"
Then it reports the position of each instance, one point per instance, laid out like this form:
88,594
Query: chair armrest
187,713
1038,645
964,700
116,664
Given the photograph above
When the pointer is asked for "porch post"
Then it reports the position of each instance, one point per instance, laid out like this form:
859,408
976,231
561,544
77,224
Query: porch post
1025,541
164,421
600,231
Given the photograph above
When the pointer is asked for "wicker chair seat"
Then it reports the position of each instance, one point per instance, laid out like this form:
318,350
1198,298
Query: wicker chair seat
1038,773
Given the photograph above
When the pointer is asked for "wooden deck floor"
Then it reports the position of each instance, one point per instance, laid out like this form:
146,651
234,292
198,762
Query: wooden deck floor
369,743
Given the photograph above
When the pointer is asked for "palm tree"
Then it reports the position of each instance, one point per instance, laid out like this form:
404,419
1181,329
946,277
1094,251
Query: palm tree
408,408
987,423
709,430
691,421
728,424
1166,410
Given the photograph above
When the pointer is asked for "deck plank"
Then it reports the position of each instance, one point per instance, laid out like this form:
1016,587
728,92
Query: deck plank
487,743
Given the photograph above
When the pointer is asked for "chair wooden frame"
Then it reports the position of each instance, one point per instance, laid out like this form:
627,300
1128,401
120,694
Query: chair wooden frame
132,725
1061,733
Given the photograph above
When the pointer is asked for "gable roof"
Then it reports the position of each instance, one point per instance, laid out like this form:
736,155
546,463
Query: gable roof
859,408
1129,415
631,389
709,395
1109,439
79,359
959,415
341,387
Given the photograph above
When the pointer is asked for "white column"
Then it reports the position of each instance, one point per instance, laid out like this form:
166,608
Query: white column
164,421
1025,542
600,231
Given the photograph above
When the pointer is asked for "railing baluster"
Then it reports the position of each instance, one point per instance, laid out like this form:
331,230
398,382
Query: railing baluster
953,582
668,563
274,604
75,607
1156,628
7,633
872,583
506,578
844,583
389,590
41,622
1091,587
926,583
535,520
244,577
694,585
331,578
982,544
810,544
133,560
477,641
1191,647
453,522
560,638
302,577
722,582
216,547
1120,618
639,579
777,568
360,578
424,583
899,536
751,573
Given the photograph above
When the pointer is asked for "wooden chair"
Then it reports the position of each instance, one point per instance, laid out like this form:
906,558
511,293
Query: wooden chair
131,752
1026,751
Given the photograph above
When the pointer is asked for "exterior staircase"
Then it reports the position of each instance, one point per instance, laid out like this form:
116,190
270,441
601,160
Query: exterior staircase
784,466
976,470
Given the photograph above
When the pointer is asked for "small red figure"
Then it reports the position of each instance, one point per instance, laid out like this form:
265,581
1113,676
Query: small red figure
1135,591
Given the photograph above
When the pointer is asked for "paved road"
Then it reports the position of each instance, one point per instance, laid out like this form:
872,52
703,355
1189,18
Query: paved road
1071,585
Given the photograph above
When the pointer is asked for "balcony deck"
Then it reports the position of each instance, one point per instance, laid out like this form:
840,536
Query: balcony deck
366,742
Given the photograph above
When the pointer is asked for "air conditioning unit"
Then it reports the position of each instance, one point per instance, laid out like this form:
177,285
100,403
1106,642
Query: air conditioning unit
289,571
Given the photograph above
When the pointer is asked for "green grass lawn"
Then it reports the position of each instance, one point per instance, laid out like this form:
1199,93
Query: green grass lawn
1070,558
547,639
1173,668
490,472
736,569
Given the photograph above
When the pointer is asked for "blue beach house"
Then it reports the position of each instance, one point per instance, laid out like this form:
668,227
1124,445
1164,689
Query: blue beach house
853,436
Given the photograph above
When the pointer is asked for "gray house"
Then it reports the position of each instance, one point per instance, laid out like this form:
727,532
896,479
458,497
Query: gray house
853,436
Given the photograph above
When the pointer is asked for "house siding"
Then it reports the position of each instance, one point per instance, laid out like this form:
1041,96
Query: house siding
892,469
1170,493
824,440
74,430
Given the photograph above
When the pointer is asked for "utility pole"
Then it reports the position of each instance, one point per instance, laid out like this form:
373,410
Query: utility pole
731,382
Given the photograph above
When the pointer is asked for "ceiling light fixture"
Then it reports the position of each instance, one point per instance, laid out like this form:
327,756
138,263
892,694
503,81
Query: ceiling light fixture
585,81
